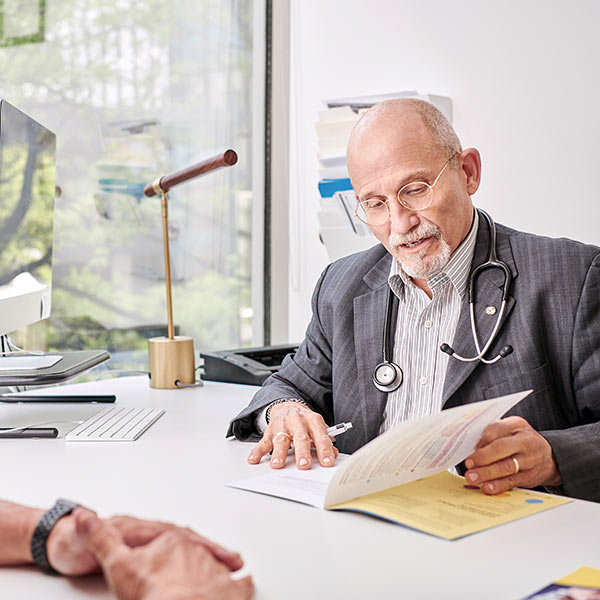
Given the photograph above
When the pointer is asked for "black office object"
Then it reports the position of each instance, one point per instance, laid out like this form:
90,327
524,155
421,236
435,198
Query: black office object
28,432
72,363
62,398
250,366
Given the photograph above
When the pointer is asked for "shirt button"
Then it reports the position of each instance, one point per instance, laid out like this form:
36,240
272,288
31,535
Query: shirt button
423,380
428,324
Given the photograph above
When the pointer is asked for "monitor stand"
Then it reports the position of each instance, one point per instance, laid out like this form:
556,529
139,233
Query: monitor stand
68,365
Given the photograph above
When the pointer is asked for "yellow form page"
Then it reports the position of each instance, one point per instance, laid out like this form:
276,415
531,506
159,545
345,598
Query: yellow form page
445,505
584,577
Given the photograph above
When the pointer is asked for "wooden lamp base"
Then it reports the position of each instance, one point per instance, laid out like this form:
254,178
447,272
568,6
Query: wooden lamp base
171,361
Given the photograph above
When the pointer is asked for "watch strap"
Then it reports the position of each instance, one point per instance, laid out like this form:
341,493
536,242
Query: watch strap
42,531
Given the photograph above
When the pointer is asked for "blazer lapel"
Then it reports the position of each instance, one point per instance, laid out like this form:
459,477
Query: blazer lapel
488,293
369,322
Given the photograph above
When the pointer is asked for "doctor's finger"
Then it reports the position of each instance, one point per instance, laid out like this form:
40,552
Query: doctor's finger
281,446
302,445
263,447
326,451
299,428
507,467
495,451
502,428
497,486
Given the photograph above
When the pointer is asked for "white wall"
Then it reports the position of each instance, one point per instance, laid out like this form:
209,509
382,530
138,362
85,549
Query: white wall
524,80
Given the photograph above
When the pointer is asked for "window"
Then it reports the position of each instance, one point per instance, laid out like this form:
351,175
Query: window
135,89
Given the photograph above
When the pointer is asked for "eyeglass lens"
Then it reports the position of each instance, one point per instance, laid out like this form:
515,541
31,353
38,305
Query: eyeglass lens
414,196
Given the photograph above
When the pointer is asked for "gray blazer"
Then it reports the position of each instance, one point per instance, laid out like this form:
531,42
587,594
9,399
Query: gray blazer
552,321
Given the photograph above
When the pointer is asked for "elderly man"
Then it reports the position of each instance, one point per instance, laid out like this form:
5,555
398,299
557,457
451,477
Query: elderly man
414,183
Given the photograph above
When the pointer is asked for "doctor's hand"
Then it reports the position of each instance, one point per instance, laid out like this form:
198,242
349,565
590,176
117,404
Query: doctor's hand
511,453
295,422
173,565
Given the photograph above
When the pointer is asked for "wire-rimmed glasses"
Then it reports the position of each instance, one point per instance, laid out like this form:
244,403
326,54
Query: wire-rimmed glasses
416,195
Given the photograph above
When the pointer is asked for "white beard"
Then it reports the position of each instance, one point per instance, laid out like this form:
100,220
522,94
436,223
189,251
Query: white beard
421,265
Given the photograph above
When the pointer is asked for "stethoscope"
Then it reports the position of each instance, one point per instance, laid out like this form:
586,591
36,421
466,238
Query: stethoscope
388,376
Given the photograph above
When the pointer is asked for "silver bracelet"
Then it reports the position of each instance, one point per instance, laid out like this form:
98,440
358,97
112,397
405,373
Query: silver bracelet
268,413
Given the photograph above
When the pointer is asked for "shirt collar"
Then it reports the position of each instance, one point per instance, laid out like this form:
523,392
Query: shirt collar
457,270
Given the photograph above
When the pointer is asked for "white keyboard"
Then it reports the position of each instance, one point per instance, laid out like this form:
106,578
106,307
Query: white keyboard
115,424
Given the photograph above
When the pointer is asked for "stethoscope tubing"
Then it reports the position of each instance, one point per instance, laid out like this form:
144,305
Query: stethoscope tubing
388,376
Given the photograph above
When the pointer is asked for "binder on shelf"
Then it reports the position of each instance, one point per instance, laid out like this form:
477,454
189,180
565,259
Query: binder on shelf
328,187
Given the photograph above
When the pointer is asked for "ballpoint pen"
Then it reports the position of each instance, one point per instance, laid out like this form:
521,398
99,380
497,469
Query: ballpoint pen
338,429
18,398
28,432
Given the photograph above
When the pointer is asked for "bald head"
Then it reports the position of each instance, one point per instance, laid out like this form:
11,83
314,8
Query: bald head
407,120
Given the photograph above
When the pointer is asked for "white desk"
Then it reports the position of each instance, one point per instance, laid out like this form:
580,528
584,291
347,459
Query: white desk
177,470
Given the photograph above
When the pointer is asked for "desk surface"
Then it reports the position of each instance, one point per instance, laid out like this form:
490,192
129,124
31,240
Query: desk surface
178,469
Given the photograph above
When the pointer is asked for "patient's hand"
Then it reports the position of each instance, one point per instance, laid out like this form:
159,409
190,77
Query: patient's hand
69,555
174,565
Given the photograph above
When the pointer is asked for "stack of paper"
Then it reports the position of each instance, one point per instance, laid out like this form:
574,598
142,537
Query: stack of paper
341,232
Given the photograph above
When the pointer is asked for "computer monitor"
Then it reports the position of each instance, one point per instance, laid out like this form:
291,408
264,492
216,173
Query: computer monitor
27,191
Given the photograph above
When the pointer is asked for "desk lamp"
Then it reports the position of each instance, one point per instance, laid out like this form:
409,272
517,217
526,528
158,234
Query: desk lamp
171,358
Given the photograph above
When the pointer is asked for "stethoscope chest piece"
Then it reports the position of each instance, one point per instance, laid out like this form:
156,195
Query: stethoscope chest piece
387,376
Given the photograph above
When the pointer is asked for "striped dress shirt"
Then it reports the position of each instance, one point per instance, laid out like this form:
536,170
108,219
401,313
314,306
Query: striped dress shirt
422,326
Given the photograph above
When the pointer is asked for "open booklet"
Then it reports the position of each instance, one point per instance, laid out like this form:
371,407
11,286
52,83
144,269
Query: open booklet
371,480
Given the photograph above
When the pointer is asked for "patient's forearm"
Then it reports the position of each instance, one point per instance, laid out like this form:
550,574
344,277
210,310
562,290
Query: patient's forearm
17,523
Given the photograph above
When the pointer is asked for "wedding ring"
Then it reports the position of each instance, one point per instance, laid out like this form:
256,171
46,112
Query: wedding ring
280,433
516,465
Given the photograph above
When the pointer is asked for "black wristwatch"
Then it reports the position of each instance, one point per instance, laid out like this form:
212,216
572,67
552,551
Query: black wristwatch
61,508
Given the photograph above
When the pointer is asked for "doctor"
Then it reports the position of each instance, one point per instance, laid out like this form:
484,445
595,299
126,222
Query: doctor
414,183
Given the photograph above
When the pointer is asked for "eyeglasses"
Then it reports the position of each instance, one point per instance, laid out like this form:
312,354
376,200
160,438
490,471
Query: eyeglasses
416,195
